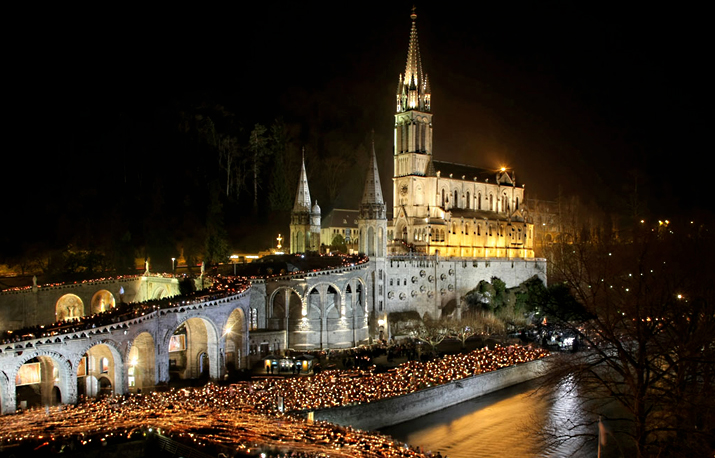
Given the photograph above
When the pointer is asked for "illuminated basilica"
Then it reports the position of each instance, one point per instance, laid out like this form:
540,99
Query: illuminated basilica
439,208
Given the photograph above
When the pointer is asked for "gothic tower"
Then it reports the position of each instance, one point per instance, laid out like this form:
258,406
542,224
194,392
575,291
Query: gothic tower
372,225
372,222
413,118
413,136
304,219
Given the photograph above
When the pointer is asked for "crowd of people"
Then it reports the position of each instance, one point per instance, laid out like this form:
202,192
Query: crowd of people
241,419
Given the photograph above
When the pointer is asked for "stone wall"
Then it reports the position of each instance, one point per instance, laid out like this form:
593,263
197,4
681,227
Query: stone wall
391,411
436,287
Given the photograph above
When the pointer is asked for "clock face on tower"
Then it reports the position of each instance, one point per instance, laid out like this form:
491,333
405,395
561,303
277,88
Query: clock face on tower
403,189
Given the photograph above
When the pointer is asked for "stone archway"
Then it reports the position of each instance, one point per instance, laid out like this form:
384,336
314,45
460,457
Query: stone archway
282,308
102,301
100,361
43,378
159,293
141,364
69,306
235,334
185,347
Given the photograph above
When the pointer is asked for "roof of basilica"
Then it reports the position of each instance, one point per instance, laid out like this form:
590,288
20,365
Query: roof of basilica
467,213
466,172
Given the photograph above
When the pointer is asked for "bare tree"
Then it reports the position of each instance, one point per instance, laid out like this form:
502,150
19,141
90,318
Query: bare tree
430,331
648,322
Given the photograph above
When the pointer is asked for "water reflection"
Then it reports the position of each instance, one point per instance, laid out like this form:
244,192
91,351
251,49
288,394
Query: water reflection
511,422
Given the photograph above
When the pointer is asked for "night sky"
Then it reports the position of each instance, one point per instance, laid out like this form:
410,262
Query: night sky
592,100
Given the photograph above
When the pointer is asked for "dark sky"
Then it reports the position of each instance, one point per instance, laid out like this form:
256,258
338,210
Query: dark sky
584,98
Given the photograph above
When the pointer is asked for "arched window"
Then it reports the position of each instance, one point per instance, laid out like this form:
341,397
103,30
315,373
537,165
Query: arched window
479,201
456,200
467,201
491,202
443,198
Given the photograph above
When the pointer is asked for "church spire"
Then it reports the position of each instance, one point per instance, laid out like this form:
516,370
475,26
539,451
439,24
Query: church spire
372,205
302,196
413,92
372,194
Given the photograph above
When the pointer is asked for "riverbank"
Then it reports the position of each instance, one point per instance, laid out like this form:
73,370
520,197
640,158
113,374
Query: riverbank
391,411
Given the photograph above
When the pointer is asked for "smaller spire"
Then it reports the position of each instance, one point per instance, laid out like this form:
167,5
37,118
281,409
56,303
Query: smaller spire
302,196
372,206
372,194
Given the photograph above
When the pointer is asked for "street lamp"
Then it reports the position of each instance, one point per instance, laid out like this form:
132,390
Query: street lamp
172,264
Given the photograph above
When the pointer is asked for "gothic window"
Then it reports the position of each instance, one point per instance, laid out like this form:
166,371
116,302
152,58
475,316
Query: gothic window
467,201
423,131
517,204
479,229
456,200
479,201
443,198
491,202
404,137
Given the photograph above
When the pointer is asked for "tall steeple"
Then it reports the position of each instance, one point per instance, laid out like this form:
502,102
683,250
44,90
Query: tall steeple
413,117
413,91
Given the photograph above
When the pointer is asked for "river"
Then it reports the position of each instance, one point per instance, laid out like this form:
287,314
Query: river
509,423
